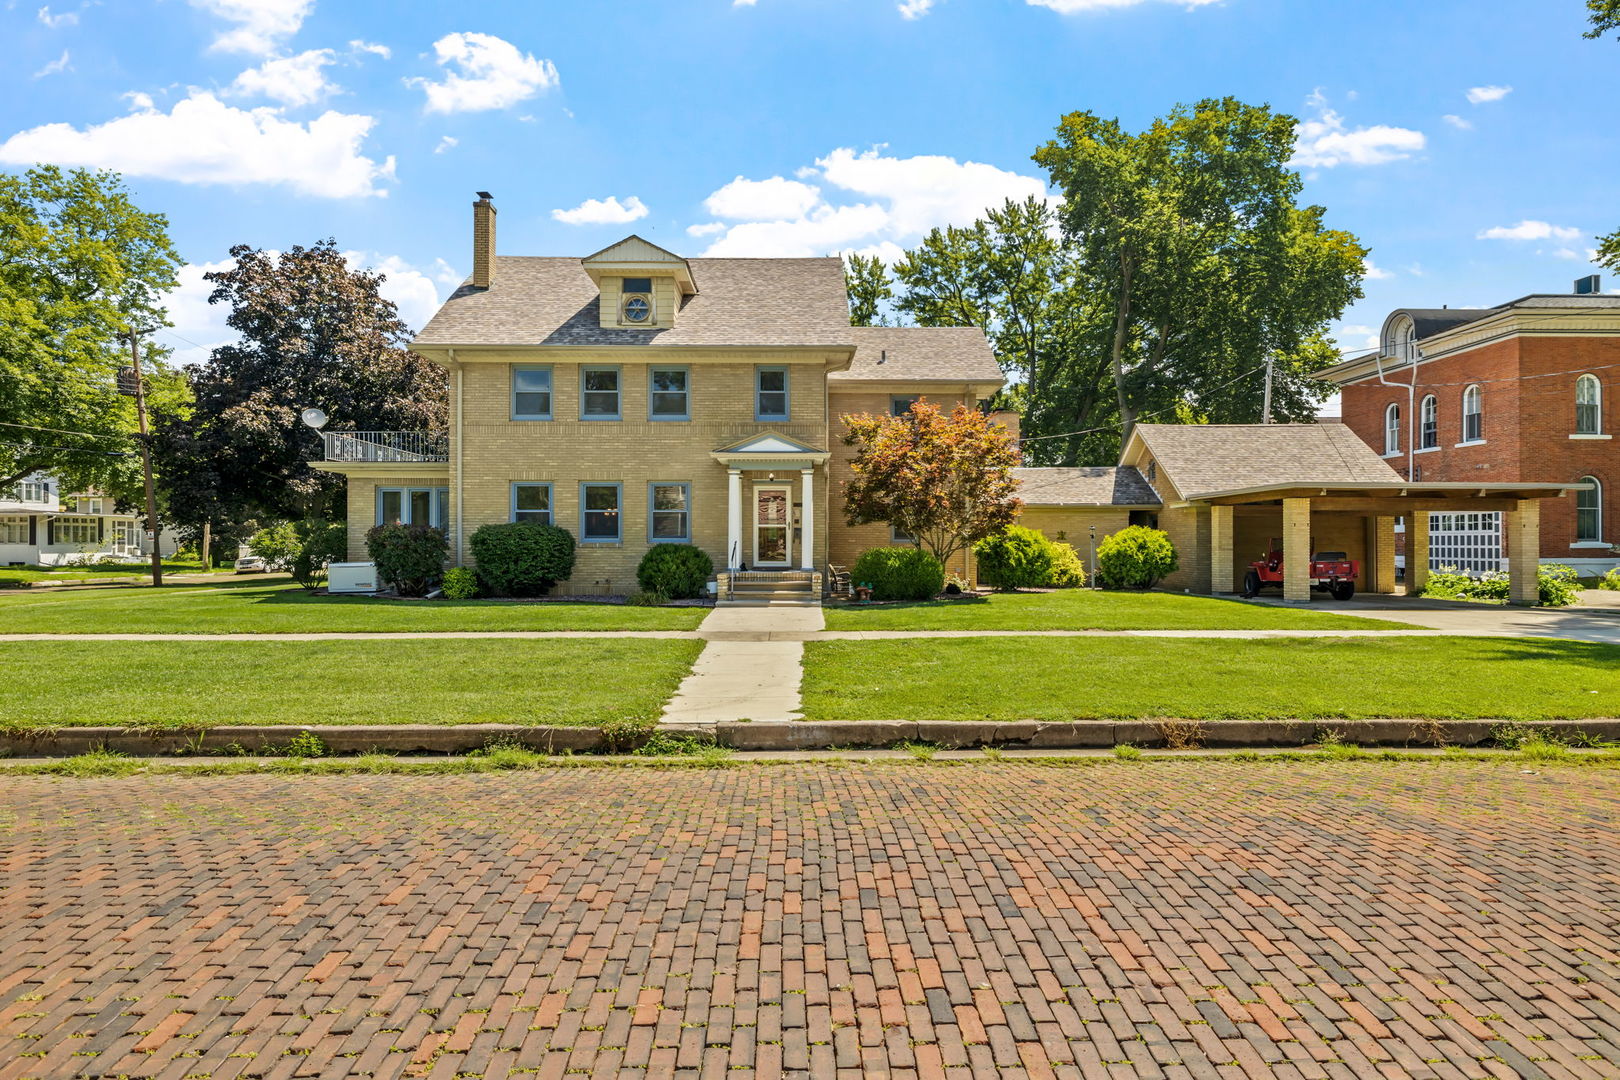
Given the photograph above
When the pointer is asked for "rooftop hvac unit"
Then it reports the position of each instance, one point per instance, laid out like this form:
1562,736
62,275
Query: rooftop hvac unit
351,577
1589,285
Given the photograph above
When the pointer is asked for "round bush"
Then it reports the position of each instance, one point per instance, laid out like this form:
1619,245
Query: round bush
678,571
460,583
320,543
1067,570
1018,558
522,558
276,544
899,573
1136,557
408,557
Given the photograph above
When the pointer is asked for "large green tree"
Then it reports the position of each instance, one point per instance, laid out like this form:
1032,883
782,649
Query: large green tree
1188,238
867,283
80,266
313,332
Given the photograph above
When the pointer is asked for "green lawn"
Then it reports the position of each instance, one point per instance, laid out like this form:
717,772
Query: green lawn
27,575
191,683
1083,609
254,606
1060,679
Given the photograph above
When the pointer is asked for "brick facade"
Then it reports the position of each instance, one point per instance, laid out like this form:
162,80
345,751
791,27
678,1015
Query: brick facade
1527,388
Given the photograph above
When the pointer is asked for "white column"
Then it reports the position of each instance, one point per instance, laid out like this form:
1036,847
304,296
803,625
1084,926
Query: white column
807,544
733,519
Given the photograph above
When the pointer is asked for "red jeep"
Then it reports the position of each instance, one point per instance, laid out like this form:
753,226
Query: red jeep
1331,572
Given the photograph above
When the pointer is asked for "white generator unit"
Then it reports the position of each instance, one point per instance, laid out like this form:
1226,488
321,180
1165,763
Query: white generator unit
351,577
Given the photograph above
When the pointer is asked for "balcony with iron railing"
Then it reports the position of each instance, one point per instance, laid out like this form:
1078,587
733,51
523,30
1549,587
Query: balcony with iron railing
386,446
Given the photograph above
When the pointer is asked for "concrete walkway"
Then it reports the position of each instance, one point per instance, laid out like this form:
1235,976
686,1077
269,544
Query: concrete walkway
1599,624
746,671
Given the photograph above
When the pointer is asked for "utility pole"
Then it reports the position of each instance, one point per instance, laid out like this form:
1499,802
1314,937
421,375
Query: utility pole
146,460
1269,361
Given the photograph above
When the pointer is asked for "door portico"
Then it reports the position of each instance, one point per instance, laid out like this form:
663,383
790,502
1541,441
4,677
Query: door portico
760,518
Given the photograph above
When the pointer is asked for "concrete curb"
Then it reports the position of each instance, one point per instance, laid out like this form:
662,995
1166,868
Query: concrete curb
789,735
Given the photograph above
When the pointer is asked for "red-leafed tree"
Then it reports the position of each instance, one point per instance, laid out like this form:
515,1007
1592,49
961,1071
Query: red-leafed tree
943,479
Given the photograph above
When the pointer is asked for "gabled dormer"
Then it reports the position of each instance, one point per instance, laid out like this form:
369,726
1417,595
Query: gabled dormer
641,285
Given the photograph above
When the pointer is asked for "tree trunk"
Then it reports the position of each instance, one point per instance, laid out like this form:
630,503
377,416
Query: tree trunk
1122,314
207,542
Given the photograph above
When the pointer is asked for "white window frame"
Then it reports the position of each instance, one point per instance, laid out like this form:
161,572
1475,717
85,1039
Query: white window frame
1594,496
1429,423
78,529
1392,428
1473,394
14,529
1594,421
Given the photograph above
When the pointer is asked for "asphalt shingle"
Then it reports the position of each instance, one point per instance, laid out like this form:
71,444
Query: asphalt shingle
1122,486
917,353
1202,459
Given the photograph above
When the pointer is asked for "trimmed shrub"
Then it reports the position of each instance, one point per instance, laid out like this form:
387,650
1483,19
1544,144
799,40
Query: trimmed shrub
899,573
1067,570
1611,580
1018,558
1558,586
678,571
276,545
522,558
410,558
320,543
460,583
1136,557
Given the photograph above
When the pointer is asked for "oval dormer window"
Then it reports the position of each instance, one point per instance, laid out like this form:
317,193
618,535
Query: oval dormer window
637,309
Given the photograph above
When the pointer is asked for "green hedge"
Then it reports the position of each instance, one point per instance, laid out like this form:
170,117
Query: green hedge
1018,558
409,557
1136,557
678,571
522,558
899,573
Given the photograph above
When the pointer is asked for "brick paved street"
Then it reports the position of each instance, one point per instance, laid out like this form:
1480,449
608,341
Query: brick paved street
1190,919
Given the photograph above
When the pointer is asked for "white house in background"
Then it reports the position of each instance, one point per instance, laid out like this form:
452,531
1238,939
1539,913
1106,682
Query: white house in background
39,526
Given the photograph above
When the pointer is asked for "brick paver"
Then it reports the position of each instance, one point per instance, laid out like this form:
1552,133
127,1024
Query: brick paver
1195,919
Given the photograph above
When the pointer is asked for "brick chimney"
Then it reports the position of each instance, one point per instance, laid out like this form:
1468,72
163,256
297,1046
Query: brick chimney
483,241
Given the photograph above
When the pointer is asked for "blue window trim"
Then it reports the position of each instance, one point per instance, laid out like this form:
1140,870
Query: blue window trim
551,499
787,392
438,503
617,371
551,382
683,369
687,488
619,539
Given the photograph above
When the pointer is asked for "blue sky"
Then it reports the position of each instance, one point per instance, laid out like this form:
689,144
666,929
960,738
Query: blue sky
1467,143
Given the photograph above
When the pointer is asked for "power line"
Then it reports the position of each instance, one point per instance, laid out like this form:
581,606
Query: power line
69,449
62,431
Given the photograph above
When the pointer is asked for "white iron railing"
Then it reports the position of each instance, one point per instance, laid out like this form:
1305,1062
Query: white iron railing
386,445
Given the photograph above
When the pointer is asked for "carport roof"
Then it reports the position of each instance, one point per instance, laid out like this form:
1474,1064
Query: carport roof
1455,491
1203,459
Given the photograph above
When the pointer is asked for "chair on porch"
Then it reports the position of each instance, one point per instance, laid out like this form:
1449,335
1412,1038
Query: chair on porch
838,583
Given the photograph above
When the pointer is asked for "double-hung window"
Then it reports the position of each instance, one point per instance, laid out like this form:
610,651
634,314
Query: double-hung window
669,392
1589,512
1473,427
599,519
669,513
1429,420
1392,429
531,393
770,393
1588,405
599,393
531,502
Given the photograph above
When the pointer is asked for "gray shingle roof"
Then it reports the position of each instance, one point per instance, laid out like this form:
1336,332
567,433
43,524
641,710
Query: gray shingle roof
1121,486
544,300
1202,459
917,353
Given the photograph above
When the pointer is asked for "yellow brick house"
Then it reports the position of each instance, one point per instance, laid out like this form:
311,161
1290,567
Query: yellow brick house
636,397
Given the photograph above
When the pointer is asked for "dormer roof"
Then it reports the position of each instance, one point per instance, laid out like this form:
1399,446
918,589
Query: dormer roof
635,257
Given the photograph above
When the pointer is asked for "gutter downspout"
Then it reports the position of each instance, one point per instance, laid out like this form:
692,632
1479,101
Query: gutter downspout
1411,417
461,527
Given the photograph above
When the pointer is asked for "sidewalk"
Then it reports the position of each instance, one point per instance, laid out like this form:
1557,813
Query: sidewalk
750,669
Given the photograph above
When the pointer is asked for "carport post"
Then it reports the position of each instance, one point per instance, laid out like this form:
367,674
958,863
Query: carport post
1523,527
1220,550
1417,551
1297,551
1382,578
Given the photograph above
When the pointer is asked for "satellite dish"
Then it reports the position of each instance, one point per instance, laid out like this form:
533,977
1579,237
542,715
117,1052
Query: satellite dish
314,417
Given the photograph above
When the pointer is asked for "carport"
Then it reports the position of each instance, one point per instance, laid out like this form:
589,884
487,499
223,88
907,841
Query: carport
1358,518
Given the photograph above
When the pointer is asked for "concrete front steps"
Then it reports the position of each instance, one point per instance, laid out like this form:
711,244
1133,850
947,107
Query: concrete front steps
770,588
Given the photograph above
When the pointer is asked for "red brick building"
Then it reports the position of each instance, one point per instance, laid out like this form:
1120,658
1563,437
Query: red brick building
1525,392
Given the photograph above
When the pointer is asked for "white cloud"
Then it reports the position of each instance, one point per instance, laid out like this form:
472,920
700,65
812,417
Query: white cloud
56,22
55,67
890,202
1479,95
1070,7
1530,230
411,290
448,142
204,141
445,274
608,211
1367,334
1457,122
138,100
1569,253
487,73
1374,273
1326,142
291,80
358,46
762,200
913,9
261,24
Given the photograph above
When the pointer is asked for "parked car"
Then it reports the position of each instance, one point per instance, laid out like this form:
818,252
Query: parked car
250,564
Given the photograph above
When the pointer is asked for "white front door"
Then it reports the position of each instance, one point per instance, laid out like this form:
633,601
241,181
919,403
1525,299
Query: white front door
773,525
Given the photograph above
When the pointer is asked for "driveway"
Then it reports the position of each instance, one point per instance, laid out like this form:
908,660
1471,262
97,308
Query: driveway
1597,618
1183,919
